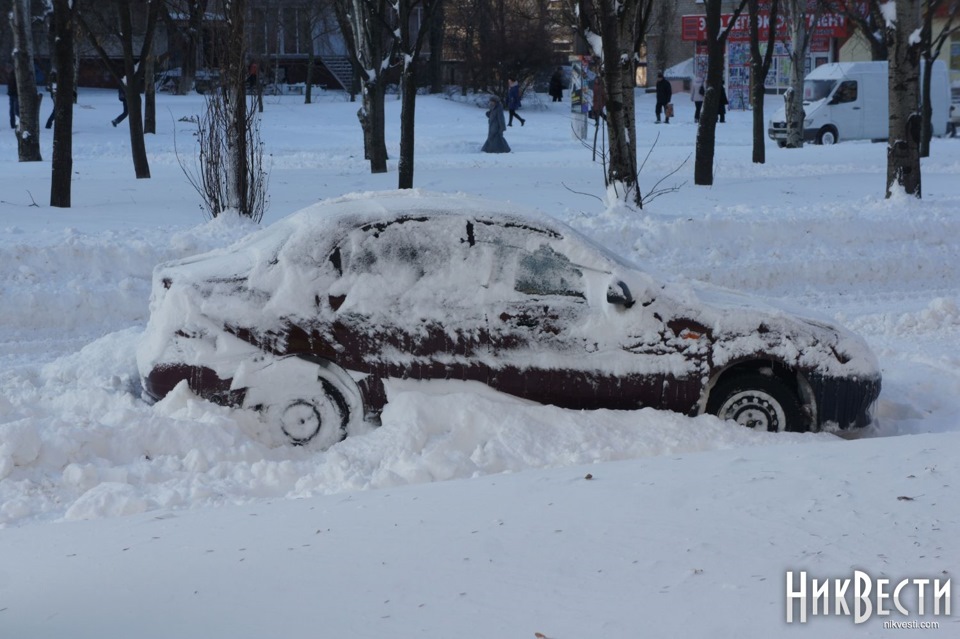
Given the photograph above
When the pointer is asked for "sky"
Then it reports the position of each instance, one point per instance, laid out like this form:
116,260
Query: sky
469,513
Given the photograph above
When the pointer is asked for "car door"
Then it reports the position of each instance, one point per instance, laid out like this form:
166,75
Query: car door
846,107
404,302
552,337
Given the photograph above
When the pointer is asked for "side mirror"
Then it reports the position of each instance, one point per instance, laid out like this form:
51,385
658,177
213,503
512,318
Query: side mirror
619,294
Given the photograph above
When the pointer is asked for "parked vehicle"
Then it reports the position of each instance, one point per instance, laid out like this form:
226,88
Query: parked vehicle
308,319
848,101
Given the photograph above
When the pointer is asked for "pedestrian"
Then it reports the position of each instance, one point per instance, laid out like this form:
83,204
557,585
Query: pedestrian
496,127
556,85
696,96
253,75
14,96
664,93
52,90
722,109
513,101
122,94
599,100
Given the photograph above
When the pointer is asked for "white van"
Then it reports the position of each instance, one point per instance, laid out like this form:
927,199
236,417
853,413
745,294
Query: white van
848,101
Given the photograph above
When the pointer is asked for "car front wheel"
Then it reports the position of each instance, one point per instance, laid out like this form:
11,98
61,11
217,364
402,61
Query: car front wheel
758,401
827,135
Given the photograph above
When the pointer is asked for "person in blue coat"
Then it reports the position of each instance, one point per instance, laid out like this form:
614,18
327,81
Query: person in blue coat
496,126
513,101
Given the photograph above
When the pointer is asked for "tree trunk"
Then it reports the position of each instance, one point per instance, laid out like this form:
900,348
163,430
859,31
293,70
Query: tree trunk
138,147
28,131
62,163
149,95
372,120
793,98
707,131
926,124
437,27
759,68
311,60
903,146
622,168
408,95
188,70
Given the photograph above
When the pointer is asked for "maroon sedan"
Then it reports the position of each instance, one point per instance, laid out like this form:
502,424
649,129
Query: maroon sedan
306,320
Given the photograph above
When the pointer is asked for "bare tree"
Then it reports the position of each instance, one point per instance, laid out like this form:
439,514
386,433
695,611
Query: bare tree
185,18
930,46
410,47
28,131
801,28
707,130
867,19
608,26
366,26
118,25
64,56
903,144
320,23
436,40
759,68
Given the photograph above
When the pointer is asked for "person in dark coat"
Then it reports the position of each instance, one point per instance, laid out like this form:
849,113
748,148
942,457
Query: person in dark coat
556,85
122,94
513,101
496,127
722,109
664,94
14,97
52,89
599,105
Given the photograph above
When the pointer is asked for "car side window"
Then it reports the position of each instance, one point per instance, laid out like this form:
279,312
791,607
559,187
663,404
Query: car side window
405,267
847,92
547,272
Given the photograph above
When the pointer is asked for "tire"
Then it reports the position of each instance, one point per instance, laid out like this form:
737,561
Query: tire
828,135
302,402
781,143
757,401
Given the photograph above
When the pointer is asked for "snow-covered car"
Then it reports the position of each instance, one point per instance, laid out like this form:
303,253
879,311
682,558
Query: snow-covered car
306,321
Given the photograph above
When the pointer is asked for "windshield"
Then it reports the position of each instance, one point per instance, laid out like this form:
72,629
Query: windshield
814,90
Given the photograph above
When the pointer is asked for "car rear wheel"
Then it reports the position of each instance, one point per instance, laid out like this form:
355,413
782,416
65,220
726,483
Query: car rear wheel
303,402
758,401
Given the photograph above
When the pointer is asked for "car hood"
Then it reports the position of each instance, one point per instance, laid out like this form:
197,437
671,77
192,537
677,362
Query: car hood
741,326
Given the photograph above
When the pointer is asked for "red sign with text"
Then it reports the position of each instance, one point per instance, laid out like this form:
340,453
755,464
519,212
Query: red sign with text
830,25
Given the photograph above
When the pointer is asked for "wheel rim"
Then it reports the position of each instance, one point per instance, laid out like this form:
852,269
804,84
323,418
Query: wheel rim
307,420
300,422
829,137
300,402
754,409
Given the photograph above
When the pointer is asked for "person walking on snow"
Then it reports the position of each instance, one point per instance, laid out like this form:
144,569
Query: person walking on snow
696,96
664,93
556,85
496,127
123,99
14,97
513,101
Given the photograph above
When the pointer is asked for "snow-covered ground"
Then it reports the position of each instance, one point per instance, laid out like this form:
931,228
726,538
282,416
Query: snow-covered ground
686,527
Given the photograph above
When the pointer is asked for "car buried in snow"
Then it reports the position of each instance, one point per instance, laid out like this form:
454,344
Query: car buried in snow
308,320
